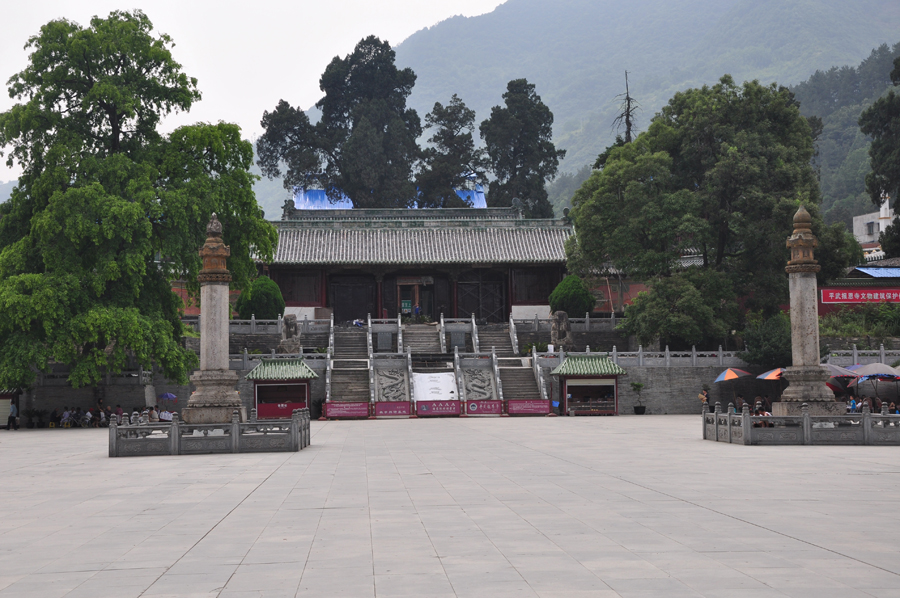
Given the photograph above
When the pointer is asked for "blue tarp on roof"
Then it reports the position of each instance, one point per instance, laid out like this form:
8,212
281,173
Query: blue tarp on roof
315,199
880,272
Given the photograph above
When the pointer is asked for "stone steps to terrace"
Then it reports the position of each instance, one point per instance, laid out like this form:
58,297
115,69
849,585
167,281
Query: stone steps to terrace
519,384
350,368
421,338
498,339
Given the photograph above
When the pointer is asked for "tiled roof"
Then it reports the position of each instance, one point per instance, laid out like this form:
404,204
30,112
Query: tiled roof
524,242
587,365
281,369
880,272
9,391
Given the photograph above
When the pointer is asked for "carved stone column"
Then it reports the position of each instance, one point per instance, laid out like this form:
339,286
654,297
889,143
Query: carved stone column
215,397
806,377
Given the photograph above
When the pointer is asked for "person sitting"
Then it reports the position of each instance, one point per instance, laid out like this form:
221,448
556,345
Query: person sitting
153,415
55,417
88,416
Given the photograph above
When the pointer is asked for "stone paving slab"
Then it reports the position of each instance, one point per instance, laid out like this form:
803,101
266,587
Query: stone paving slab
547,507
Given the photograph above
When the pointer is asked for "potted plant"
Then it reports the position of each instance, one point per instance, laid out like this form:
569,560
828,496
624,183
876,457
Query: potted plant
40,414
640,408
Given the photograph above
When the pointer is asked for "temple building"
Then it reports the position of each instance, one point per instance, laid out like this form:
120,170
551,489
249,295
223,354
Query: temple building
490,262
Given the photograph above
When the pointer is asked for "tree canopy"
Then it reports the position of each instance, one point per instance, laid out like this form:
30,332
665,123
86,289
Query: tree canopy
364,145
262,298
517,137
108,211
452,161
712,184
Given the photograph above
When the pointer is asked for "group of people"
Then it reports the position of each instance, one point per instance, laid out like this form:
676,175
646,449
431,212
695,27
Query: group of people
761,405
100,416
874,404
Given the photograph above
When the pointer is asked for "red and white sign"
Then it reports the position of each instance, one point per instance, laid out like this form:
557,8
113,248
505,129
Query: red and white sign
339,409
528,407
861,295
277,410
389,408
437,407
484,407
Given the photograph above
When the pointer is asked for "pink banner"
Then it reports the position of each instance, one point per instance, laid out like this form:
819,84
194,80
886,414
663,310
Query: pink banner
277,410
437,408
338,409
391,408
528,407
484,407
861,295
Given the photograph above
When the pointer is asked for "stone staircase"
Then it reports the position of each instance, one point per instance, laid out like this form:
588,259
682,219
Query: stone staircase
497,338
314,340
350,371
518,380
421,338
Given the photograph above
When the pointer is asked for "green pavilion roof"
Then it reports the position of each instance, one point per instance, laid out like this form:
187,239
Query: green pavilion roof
587,365
281,369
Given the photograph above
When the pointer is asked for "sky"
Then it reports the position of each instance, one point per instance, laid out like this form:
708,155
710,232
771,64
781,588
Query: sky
245,55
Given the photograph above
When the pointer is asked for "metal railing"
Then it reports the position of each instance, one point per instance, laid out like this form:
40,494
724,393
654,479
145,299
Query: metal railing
538,374
371,361
442,334
513,335
496,369
460,380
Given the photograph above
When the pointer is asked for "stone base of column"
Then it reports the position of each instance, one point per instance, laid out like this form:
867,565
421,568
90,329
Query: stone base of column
807,385
215,398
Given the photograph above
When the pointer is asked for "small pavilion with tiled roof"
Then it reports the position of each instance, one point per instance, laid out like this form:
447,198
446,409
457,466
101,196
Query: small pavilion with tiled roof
489,262
589,384
280,386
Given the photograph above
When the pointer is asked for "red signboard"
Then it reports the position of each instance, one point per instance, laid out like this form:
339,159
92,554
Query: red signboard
484,407
339,409
391,408
437,408
277,410
860,295
528,407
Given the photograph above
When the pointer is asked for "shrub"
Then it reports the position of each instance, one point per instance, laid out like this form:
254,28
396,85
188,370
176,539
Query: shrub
768,342
262,299
572,297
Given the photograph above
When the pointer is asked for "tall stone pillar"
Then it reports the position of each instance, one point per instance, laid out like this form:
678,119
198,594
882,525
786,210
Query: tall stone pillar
215,397
806,377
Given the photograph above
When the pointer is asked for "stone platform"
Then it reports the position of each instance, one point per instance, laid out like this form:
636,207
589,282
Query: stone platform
631,507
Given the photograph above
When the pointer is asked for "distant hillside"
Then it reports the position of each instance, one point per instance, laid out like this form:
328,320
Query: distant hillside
838,96
576,52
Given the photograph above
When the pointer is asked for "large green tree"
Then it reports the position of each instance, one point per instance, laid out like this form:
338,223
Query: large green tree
364,144
452,161
881,122
108,211
517,137
712,183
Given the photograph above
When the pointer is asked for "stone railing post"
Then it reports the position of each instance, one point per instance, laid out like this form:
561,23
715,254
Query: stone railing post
881,357
668,357
587,349
587,321
855,355
536,326
612,318
245,361
806,424
175,435
721,356
296,443
615,356
866,423
718,412
694,355
252,323
235,431
745,423
640,354
113,438
305,328
280,324
253,415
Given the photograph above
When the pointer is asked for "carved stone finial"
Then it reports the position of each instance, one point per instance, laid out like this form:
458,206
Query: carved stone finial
214,253
802,243
214,228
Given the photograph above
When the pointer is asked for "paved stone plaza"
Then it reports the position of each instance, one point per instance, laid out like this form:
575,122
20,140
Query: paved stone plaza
568,507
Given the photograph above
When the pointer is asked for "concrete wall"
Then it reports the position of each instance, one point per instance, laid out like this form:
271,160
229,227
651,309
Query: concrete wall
600,340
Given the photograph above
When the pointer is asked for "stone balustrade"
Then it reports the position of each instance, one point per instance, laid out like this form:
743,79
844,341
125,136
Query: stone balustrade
852,429
178,438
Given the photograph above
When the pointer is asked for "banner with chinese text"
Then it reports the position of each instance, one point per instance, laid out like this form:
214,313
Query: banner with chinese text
861,295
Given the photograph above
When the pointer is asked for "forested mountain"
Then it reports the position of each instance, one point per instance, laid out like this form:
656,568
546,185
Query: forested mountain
838,96
576,52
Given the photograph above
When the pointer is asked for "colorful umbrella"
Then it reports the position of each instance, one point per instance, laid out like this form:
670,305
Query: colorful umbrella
731,374
837,371
167,396
772,374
